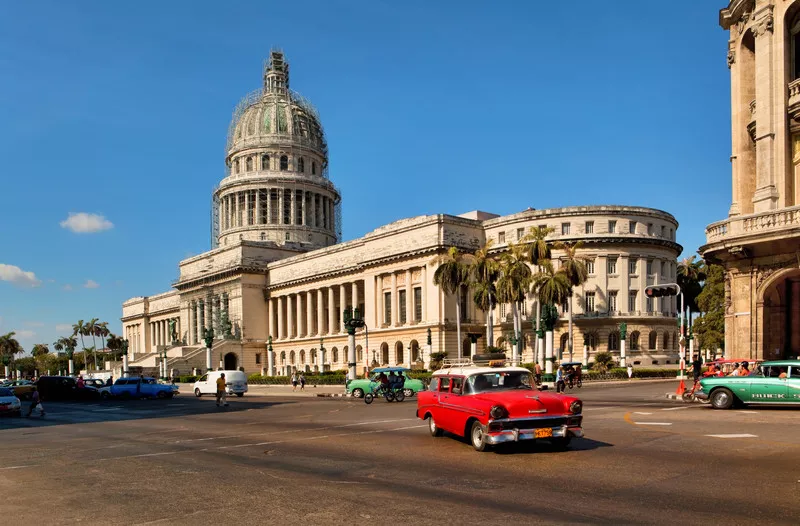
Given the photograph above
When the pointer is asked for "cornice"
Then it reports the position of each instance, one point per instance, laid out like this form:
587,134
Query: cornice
733,13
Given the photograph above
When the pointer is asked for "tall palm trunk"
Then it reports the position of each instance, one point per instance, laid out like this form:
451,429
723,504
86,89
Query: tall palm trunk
489,328
458,321
94,351
569,317
539,341
515,313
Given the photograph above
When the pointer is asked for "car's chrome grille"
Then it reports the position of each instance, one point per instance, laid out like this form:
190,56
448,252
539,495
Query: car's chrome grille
535,423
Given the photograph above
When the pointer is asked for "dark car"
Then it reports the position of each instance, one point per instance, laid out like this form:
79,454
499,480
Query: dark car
95,382
64,388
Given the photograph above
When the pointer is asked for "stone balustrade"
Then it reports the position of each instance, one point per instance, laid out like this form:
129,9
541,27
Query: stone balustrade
794,99
773,220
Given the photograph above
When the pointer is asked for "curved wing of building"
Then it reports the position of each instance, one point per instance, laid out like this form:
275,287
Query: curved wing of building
280,274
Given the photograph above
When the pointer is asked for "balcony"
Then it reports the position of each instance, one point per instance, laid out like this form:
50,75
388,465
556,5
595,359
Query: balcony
752,235
794,100
751,124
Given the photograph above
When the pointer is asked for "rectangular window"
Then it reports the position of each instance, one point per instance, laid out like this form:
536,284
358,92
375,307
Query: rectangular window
612,301
663,268
649,267
590,227
588,302
649,229
632,301
631,227
258,358
663,231
590,266
457,382
612,227
444,383
387,308
520,233
612,266
501,237
649,304
564,308
632,266
417,303
401,300
564,229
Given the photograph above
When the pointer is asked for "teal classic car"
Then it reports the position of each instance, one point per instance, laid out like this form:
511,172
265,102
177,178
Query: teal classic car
361,386
776,382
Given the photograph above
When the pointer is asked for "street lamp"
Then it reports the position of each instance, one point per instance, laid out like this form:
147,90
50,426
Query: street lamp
511,337
352,321
124,359
321,355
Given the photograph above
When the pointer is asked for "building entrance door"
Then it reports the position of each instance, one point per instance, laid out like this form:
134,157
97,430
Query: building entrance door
781,318
231,361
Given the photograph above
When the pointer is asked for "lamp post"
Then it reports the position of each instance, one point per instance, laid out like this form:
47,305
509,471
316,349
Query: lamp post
511,337
270,357
321,355
208,337
352,321
124,359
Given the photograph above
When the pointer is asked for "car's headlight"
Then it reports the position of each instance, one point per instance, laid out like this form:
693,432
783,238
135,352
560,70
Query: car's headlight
497,412
576,407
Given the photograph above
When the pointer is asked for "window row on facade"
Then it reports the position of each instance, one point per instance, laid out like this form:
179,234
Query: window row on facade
316,312
277,206
612,226
266,162
334,358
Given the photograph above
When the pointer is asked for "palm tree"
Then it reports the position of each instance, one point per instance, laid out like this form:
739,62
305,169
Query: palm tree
574,267
91,330
512,285
9,346
68,344
114,344
79,329
538,253
39,349
101,329
552,288
690,274
485,270
451,274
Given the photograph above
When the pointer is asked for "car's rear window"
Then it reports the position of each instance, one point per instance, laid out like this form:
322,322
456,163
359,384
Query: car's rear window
6,392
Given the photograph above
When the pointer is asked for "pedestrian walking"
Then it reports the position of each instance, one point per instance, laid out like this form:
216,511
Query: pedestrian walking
302,381
36,403
630,372
537,374
221,394
294,381
561,386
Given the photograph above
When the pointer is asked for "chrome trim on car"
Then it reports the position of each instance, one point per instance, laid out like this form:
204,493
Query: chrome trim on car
553,415
515,435
536,411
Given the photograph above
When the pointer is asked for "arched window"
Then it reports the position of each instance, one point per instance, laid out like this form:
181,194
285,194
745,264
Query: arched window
414,345
398,353
287,236
302,356
265,162
651,340
284,163
283,357
249,164
236,166
793,24
359,354
334,355
634,340
590,340
291,357
564,346
384,353
313,168
301,165
666,341
613,341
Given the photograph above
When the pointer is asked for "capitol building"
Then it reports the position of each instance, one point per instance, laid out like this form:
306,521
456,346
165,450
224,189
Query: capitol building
278,275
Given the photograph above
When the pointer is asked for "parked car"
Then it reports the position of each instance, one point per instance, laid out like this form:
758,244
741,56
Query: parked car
64,388
497,404
97,383
9,403
136,387
235,382
360,386
774,382
22,388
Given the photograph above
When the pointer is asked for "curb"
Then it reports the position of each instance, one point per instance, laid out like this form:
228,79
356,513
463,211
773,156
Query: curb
334,395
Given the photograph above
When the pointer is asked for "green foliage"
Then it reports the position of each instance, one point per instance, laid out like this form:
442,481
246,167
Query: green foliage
691,274
551,286
549,316
710,327
188,379
436,360
325,379
491,349
603,360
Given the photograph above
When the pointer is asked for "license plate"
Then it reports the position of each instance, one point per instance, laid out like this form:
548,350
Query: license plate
543,433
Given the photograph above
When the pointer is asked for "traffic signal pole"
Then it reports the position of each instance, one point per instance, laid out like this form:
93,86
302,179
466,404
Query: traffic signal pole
673,289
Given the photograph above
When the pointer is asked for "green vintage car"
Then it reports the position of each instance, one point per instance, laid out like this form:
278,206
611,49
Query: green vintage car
363,385
776,382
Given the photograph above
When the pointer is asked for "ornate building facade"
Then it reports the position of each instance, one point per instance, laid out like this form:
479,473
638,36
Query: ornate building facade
759,242
279,273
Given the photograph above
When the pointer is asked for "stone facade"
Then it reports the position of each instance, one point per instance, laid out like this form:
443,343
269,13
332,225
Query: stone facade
290,289
758,243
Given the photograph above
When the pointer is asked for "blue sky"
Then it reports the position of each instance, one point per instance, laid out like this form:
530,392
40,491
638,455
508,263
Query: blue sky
118,111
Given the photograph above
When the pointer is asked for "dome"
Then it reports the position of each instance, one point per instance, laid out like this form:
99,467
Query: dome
275,115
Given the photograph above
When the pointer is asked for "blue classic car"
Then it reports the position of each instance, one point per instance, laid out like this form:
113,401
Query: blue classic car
139,388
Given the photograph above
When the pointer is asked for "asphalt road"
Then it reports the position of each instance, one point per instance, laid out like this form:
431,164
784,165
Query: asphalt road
646,460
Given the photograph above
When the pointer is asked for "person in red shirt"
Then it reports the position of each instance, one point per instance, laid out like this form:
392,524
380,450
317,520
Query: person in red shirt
81,383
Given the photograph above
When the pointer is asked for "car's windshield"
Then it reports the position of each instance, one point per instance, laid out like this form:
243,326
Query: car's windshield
498,381
6,392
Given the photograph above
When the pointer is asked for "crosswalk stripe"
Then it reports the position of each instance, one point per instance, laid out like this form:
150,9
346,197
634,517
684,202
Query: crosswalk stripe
734,435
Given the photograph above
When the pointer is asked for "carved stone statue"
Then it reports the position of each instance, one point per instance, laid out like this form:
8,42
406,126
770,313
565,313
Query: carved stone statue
173,335
430,341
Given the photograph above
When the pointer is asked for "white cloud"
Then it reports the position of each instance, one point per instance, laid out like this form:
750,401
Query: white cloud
63,327
34,324
91,284
83,223
18,276
67,287
24,333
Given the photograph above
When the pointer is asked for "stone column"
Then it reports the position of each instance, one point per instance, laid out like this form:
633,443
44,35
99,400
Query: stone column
342,305
198,324
424,286
303,208
309,313
209,312
247,207
324,205
269,206
300,321
270,314
332,215
290,309
355,295
394,300
621,353
279,301
317,200
281,197
331,311
548,346
320,313
766,193
409,299
293,202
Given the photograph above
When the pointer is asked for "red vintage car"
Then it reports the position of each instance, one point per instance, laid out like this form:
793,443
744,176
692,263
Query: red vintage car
493,405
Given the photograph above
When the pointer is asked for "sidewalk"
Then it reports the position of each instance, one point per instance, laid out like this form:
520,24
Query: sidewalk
278,390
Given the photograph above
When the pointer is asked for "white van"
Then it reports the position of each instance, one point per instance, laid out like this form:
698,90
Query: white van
235,383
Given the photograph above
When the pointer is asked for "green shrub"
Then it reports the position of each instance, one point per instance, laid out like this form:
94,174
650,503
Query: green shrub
188,379
603,361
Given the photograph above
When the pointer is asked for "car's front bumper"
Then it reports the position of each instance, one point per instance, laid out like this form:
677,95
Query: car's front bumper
515,435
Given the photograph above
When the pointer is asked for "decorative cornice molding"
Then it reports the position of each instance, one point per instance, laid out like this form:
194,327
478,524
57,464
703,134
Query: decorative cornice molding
763,21
733,13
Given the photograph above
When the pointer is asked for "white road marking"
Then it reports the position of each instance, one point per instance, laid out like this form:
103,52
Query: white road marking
748,412
674,408
734,435
653,423
639,413
204,439
18,467
601,408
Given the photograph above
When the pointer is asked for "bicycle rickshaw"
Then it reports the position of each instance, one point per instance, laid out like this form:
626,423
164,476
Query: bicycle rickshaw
573,374
390,393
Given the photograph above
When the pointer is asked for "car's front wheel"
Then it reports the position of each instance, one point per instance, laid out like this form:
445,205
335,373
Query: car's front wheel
197,392
408,393
722,399
358,393
477,436
161,394
105,395
433,428
240,395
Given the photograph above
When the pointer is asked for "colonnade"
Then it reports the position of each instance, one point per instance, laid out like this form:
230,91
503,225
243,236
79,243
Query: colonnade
202,313
276,206
133,333
315,312
159,332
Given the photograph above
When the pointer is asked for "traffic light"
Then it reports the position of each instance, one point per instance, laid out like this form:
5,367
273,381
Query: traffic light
658,291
